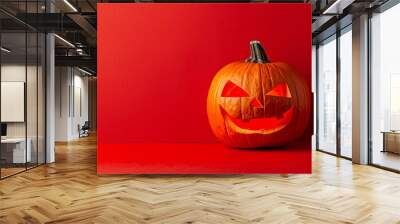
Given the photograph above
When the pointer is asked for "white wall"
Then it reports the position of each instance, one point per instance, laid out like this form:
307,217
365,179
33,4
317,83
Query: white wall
71,102
33,127
62,82
16,72
81,103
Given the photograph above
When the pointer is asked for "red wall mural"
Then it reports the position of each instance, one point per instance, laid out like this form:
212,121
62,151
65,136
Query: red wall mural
155,67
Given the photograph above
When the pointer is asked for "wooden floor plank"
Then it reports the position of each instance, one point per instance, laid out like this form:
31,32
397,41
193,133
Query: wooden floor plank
70,191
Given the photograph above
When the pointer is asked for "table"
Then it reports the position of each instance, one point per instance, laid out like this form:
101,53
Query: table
13,150
391,141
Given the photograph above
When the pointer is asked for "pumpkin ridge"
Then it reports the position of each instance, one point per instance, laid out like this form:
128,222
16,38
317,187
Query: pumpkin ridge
302,121
213,99
231,74
272,80
278,67
244,72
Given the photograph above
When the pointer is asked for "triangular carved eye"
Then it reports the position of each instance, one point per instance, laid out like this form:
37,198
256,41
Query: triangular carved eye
281,90
232,90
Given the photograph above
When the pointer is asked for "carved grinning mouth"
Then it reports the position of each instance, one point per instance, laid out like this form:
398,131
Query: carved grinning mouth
279,98
258,125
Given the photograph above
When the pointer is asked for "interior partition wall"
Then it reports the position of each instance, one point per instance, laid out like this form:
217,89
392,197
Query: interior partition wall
22,101
334,94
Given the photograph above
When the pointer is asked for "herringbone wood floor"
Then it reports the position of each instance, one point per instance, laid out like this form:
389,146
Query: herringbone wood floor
69,191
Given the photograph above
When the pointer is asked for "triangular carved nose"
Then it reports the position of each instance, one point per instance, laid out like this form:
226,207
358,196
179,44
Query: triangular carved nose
256,103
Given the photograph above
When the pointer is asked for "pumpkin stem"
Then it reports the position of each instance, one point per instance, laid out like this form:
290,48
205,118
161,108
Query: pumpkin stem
257,53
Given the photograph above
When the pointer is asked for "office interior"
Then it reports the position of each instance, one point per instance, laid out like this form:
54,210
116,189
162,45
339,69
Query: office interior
45,87
49,81
56,62
334,62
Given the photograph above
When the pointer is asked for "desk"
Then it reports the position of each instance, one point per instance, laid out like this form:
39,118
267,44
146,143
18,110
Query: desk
13,150
391,141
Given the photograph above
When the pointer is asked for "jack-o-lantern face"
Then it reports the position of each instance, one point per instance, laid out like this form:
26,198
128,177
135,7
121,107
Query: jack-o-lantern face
272,111
257,103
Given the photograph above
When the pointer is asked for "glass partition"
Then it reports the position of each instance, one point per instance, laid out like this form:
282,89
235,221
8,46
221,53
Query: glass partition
22,78
14,153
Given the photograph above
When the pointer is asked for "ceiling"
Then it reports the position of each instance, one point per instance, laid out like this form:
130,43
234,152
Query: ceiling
75,22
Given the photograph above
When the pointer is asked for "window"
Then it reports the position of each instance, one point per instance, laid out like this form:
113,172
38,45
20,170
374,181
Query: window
326,139
385,89
346,92
333,106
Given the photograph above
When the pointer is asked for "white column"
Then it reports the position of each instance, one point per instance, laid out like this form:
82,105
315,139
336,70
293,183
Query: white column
360,90
50,98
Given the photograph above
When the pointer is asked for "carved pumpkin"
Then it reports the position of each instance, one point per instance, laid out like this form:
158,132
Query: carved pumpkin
258,103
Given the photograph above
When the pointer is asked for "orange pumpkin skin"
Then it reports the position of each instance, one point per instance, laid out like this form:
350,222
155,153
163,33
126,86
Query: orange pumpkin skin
258,103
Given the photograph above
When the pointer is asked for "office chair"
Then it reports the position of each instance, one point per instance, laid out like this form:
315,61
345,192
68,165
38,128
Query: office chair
84,130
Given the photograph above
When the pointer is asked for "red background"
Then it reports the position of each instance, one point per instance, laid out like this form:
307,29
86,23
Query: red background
156,62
